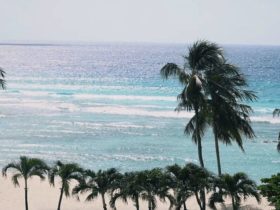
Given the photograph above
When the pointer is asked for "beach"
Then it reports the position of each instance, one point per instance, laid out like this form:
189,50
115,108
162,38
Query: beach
44,197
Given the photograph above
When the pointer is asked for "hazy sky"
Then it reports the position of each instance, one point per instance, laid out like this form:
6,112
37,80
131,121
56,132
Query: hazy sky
222,21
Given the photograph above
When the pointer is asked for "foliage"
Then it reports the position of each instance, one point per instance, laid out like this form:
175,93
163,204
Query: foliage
214,89
236,186
271,189
98,183
67,172
26,168
175,184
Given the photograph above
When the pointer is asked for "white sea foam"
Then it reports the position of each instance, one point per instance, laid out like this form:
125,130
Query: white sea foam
34,93
94,125
34,86
40,105
123,110
57,105
137,158
266,118
125,97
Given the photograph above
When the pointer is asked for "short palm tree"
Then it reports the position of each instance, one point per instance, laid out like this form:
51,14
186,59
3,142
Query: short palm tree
130,186
97,184
156,184
66,172
180,186
26,168
197,179
276,112
237,187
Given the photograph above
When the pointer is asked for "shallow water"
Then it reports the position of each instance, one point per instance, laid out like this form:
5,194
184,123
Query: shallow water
105,105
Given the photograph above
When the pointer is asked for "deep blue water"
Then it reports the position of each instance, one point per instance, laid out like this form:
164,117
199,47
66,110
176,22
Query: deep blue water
105,105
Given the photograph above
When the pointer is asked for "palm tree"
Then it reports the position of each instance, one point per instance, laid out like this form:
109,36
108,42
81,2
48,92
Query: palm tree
197,179
211,86
276,112
179,185
2,78
155,184
97,184
67,172
229,118
237,187
202,56
26,168
129,186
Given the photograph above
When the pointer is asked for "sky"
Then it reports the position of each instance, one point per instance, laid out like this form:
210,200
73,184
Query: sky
163,21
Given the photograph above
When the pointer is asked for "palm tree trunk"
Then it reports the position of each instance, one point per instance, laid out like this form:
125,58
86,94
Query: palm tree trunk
199,148
233,203
185,208
60,197
26,196
137,203
199,202
104,202
217,153
149,206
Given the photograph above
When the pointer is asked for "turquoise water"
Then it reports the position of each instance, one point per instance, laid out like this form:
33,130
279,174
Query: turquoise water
105,105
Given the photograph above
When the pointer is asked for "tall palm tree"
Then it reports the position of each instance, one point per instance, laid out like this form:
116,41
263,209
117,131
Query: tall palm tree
179,185
276,112
202,56
215,86
66,172
229,118
2,78
237,187
97,184
26,168
129,186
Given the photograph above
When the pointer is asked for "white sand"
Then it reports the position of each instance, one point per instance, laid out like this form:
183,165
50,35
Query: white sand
44,197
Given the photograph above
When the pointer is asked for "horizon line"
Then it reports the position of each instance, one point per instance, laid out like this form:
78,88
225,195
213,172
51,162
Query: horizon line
77,43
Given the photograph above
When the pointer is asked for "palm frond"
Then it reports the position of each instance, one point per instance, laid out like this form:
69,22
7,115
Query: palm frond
14,166
15,178
276,112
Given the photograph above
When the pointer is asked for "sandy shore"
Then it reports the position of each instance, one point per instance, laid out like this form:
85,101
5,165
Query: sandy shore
44,197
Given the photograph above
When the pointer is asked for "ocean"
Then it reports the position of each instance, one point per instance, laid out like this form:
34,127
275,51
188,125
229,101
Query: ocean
105,105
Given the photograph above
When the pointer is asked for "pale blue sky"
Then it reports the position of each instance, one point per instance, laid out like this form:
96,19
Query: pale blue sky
222,21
